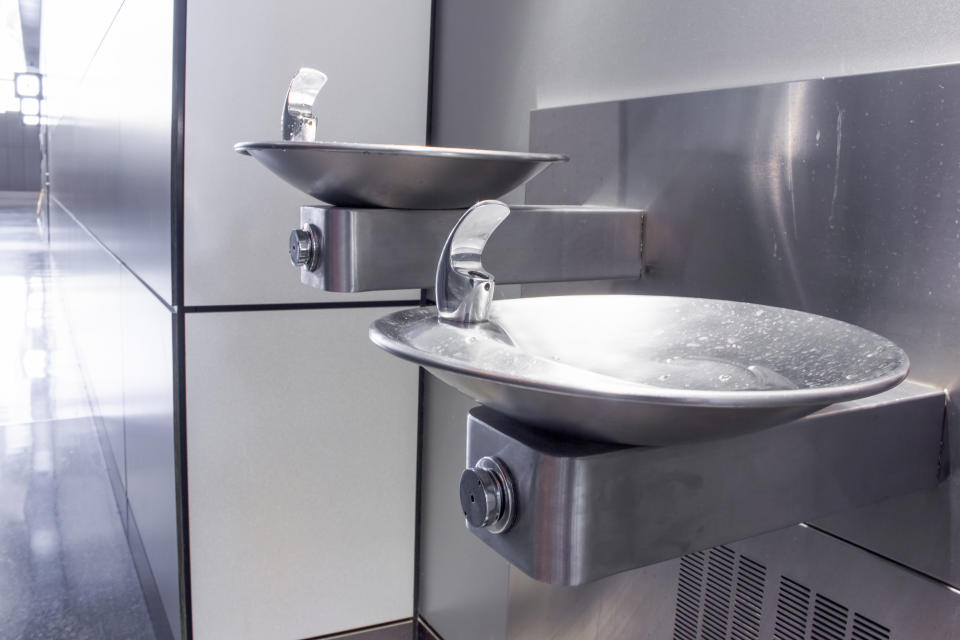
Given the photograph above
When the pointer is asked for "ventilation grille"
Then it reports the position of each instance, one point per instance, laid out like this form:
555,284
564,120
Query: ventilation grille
689,594
829,619
793,605
866,629
748,600
720,596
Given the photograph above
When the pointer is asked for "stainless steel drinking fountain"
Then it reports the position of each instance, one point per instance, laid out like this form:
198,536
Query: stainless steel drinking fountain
389,209
620,431
616,431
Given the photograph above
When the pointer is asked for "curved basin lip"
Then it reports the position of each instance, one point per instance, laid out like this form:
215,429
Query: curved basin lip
645,394
402,149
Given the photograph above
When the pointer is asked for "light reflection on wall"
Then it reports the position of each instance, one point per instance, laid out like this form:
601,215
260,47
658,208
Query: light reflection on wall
71,33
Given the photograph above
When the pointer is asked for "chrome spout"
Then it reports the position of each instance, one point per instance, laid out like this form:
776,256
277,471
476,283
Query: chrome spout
464,287
298,122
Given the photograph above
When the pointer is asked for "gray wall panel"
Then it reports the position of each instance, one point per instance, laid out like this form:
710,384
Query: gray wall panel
89,281
148,392
109,102
463,582
110,150
123,337
301,458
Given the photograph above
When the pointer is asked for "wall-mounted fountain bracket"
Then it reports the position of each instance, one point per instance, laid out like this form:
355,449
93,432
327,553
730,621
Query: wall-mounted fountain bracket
382,249
583,511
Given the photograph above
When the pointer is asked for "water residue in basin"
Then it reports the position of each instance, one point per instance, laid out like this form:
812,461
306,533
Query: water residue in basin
706,373
682,344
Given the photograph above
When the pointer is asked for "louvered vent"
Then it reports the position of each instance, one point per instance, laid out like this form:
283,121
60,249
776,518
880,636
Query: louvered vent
748,601
689,594
866,629
793,604
716,599
720,596
829,619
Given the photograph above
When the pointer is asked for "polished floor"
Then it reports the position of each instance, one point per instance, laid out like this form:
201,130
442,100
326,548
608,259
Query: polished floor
65,568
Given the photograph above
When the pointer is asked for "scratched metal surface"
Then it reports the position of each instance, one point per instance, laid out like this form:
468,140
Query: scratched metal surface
839,197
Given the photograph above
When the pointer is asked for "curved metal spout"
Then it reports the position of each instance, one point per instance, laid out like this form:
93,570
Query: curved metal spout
298,122
464,288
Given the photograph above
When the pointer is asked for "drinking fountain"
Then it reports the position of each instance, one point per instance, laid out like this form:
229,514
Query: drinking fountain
613,431
389,208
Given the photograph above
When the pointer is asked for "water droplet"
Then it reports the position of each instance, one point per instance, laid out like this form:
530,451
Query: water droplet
724,377
665,376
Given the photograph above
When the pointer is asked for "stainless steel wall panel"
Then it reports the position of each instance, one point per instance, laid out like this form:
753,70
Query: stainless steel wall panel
123,336
89,283
463,583
147,332
237,214
110,151
498,60
627,606
920,530
109,67
837,197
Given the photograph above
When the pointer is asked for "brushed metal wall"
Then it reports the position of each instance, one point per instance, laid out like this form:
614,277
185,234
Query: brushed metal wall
826,196
110,146
109,66
123,338
838,197
498,60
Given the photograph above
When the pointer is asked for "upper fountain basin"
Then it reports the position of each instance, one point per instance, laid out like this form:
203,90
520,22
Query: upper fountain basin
345,174
647,370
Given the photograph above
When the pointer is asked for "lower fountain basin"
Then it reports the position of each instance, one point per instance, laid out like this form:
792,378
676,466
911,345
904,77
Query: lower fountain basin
647,370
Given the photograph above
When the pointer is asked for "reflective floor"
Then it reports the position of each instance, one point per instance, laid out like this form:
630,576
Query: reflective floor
65,568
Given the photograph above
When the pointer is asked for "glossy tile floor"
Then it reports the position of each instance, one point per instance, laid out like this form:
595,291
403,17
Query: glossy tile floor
65,568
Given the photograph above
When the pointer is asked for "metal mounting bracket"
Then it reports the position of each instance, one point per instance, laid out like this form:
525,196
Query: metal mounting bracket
587,510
